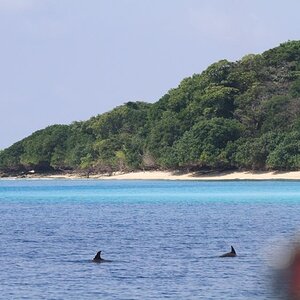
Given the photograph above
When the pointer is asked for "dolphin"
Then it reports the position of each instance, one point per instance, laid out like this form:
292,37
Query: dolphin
99,259
232,253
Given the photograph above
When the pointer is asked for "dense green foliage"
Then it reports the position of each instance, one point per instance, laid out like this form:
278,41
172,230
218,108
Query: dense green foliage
243,114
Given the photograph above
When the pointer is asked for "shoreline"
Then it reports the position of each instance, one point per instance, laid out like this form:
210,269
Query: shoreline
169,175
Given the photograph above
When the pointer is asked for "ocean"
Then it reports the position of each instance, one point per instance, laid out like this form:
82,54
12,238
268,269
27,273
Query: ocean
163,238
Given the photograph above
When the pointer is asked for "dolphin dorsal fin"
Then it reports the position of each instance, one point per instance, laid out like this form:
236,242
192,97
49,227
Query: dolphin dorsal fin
232,250
98,256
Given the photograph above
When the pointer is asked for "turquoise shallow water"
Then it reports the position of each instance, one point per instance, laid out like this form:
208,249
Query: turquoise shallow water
163,238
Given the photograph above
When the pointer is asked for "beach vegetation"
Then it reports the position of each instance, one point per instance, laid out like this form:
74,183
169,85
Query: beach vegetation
234,115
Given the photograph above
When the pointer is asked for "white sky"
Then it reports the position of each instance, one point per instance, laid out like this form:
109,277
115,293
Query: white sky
68,60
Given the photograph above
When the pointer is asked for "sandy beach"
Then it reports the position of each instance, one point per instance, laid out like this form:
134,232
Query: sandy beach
168,175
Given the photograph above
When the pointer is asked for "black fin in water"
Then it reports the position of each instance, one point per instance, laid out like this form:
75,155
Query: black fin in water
232,250
232,253
98,256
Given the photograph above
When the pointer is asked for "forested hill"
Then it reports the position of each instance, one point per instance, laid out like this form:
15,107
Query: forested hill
243,114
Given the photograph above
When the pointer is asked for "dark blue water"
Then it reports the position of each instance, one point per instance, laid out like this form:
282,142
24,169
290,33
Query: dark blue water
163,238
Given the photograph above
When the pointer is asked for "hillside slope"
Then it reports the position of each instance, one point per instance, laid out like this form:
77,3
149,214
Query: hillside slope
243,114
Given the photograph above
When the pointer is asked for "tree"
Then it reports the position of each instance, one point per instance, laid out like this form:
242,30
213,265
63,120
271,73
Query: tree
206,141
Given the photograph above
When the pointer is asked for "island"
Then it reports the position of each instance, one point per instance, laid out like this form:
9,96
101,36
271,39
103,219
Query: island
241,116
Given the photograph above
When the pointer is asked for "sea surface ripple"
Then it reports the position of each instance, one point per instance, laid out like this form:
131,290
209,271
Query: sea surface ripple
163,237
